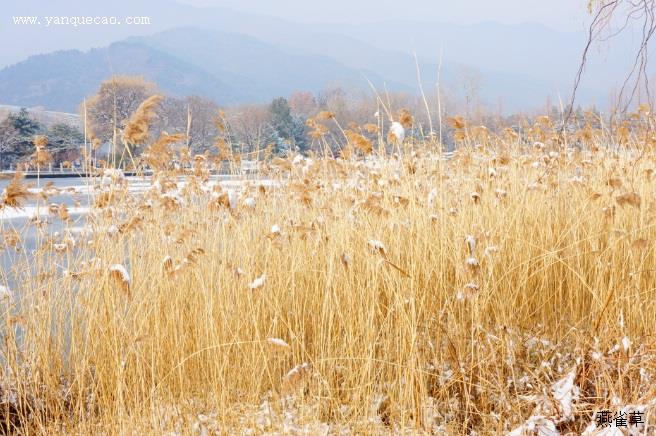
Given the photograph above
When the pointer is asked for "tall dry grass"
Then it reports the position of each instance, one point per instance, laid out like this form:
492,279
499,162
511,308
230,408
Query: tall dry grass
373,296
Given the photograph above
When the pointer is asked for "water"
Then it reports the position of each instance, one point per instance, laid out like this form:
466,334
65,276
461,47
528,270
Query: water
77,194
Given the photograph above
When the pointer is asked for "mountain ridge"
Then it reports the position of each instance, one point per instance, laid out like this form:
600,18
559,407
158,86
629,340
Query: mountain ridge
237,72
515,63
61,80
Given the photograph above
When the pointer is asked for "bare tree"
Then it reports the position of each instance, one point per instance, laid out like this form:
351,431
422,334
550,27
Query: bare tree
302,103
628,14
251,126
203,129
8,137
195,116
115,101
172,116
470,80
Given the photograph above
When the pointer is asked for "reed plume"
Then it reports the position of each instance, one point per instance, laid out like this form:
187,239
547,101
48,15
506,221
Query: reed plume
136,130
16,192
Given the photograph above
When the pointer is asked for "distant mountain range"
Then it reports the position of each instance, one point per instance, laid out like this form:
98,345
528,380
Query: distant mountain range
47,118
227,68
258,70
236,57
61,80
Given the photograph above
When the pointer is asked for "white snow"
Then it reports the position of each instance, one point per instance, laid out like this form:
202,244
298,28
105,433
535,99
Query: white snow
6,293
121,271
564,391
538,425
398,131
9,213
258,282
278,342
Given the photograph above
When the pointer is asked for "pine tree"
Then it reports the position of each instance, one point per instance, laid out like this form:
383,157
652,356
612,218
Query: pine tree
290,130
23,123
18,131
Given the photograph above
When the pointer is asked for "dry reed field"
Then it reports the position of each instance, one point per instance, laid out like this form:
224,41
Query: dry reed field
381,290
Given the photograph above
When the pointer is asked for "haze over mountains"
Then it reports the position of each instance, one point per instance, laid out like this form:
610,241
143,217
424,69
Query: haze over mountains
255,72
237,57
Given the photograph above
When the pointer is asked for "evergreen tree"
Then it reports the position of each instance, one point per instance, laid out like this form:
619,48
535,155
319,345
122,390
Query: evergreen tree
18,132
8,138
299,134
289,129
24,124
64,142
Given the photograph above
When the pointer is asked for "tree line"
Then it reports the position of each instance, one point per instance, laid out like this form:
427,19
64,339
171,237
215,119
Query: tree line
250,127
103,116
283,125
17,136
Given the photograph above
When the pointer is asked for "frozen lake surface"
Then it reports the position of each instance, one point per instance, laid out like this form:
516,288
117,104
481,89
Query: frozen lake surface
77,193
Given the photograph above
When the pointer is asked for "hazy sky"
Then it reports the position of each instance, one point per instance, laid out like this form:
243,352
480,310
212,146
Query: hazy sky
560,14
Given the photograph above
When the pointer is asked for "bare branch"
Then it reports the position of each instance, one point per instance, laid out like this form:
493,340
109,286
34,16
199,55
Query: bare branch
642,11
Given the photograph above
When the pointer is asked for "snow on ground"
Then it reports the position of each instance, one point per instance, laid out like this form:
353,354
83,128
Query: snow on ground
136,185
9,213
